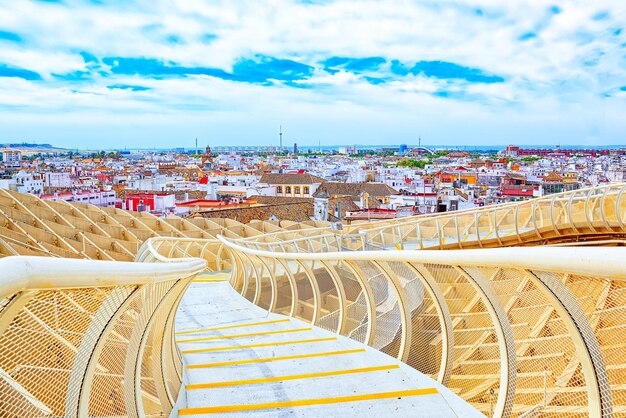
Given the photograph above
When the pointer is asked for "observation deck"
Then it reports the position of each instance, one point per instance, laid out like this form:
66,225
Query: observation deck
508,311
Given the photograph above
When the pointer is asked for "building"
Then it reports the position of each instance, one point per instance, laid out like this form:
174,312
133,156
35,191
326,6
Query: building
27,182
292,184
207,159
515,186
424,201
459,177
555,183
57,179
347,150
160,203
514,151
367,194
102,198
11,156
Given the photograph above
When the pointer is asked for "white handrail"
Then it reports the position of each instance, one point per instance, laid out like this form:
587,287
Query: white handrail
23,273
601,261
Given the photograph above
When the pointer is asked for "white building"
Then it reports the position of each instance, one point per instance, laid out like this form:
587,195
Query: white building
8,184
426,202
26,182
103,198
61,180
158,182
616,175
11,156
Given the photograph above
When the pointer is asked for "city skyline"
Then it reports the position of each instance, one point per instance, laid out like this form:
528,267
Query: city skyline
156,74
305,148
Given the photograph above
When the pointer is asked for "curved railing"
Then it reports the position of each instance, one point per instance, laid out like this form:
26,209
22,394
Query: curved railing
532,331
576,215
586,214
85,338
167,250
512,331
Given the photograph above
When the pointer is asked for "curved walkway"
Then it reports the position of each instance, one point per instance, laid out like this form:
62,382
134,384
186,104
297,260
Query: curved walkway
239,358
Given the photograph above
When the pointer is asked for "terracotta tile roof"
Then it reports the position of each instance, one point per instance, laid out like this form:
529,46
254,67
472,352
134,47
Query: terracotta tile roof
553,177
180,195
265,169
283,178
457,154
281,200
354,189
297,212
347,204
515,176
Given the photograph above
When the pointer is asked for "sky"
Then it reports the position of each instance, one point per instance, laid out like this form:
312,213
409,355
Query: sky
160,73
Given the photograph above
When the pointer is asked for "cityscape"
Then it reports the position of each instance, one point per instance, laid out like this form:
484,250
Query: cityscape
263,182
312,208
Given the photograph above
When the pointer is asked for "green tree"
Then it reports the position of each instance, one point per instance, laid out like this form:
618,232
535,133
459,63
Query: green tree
411,163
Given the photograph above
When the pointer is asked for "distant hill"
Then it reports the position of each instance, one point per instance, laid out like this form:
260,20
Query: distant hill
25,145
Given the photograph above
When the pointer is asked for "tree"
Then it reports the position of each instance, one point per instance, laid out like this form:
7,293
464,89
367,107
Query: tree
411,163
438,154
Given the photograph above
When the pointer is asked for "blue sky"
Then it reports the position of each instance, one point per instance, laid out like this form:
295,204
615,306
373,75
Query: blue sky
91,73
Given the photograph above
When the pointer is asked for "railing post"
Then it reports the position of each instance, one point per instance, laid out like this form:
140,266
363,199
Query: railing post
88,355
504,332
445,321
587,347
405,313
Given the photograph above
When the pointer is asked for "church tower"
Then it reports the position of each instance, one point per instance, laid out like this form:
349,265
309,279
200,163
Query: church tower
207,159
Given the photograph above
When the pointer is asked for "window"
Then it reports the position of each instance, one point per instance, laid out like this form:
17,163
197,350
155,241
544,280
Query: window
288,189
296,189
306,190
279,189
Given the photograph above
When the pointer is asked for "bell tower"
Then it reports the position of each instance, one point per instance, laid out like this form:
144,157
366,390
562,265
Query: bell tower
207,158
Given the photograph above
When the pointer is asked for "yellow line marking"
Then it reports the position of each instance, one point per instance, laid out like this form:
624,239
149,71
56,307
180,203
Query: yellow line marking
209,280
291,377
307,402
238,347
249,324
466,238
269,359
488,235
254,334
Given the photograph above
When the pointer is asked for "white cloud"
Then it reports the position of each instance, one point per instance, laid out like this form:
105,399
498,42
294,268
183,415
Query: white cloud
545,74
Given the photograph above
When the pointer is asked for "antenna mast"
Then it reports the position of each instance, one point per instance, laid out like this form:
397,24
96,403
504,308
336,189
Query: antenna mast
280,135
